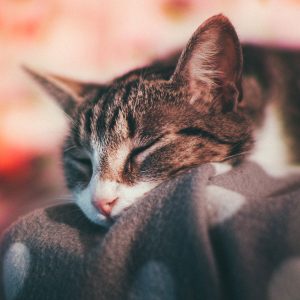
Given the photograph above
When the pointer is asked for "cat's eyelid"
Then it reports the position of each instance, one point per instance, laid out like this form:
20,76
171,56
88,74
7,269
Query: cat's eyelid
147,145
140,153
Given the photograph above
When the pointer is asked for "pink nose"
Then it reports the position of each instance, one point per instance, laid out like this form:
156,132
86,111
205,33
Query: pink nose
104,206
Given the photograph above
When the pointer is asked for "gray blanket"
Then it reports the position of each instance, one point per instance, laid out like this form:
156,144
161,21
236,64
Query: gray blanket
235,235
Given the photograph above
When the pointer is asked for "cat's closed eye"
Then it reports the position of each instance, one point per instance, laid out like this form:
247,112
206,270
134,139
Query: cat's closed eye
140,153
81,164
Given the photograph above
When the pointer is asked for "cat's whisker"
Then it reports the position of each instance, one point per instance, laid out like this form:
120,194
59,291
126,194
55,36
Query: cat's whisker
68,117
75,122
235,155
69,149
64,200
48,203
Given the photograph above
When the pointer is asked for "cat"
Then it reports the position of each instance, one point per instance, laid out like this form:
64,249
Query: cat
129,135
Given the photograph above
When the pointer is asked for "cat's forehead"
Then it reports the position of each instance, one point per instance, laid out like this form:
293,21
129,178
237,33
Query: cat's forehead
132,109
124,100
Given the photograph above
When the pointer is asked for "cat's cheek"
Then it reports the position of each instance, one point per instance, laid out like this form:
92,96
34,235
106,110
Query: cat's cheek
83,200
122,205
129,195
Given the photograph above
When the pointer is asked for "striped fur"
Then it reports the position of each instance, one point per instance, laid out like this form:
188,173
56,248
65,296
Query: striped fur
150,124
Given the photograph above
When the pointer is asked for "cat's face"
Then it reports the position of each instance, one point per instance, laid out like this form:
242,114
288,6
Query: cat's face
145,133
128,136
126,143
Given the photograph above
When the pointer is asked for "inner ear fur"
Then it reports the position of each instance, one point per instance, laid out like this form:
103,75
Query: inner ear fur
211,66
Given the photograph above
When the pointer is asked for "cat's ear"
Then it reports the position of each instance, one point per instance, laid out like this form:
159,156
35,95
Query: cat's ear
211,66
67,93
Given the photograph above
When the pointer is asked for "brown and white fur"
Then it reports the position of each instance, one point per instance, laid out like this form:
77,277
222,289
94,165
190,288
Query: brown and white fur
128,135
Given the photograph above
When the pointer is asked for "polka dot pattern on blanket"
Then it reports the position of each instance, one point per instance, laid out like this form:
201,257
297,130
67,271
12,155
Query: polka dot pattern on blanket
222,203
285,282
153,281
221,168
15,269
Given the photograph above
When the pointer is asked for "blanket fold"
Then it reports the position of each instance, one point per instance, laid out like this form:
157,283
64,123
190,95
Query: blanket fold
212,233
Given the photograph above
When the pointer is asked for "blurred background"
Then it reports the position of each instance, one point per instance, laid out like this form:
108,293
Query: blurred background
94,40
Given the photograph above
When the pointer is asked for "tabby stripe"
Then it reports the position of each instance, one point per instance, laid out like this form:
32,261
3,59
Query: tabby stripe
76,134
98,96
88,121
195,131
127,91
131,125
101,121
114,118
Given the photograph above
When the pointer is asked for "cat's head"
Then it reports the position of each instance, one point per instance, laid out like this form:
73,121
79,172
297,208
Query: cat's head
129,135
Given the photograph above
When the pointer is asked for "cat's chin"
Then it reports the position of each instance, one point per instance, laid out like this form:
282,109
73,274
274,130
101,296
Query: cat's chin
102,221
99,219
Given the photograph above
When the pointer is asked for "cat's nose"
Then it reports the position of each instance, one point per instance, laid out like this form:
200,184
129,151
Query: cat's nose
104,206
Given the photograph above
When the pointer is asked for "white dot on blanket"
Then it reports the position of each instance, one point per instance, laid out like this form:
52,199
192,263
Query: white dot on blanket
222,204
221,168
285,282
153,281
15,269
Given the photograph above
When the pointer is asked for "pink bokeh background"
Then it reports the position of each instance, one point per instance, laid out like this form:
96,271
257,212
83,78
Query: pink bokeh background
94,40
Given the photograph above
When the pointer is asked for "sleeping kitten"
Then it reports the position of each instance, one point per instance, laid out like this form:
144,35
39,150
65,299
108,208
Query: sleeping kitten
129,135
